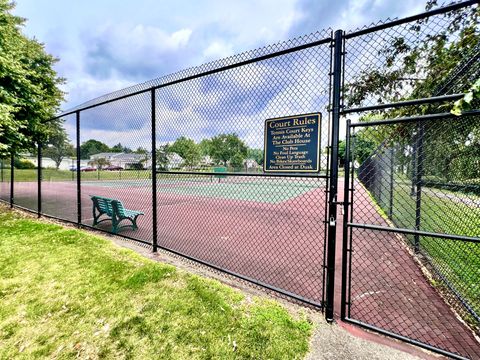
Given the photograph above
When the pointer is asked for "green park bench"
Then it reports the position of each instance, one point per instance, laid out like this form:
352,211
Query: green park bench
115,211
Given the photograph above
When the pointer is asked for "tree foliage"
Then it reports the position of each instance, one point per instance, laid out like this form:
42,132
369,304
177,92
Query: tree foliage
92,147
162,160
413,65
228,149
119,148
29,87
423,61
58,147
466,103
256,154
187,149
99,163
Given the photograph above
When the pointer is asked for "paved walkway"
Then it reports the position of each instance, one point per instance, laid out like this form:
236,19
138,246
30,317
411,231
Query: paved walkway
389,290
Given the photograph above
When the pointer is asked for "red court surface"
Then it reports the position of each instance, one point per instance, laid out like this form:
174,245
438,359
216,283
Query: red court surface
282,244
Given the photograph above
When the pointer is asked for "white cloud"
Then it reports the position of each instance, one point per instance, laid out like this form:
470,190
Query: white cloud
217,50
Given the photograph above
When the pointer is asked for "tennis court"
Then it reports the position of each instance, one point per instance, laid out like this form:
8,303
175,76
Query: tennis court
269,229
248,189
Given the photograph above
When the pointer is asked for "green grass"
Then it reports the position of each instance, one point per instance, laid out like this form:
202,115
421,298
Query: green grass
25,175
458,261
67,294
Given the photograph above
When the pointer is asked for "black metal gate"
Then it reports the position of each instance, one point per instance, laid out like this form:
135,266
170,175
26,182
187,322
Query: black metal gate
411,226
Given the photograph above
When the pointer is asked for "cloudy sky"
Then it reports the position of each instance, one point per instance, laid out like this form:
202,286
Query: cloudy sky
106,45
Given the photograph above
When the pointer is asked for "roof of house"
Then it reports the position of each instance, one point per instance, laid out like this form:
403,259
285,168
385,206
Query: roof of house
120,156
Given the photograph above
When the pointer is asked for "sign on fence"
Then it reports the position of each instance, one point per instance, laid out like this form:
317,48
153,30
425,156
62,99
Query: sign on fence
292,144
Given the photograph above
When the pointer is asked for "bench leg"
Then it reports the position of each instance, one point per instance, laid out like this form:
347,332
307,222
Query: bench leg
95,217
134,223
115,223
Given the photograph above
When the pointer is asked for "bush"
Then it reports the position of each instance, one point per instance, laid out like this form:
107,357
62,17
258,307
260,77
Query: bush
23,164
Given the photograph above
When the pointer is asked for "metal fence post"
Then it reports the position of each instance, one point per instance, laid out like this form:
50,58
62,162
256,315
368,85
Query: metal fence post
418,182
333,185
392,167
346,204
12,177
79,194
154,175
414,167
39,179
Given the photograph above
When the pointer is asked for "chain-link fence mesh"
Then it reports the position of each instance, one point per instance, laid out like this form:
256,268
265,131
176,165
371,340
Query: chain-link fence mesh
25,191
59,173
385,63
122,170
5,173
414,209
213,201
269,229
418,176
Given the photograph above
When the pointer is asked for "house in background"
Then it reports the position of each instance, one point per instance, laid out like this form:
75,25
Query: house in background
125,160
175,161
47,163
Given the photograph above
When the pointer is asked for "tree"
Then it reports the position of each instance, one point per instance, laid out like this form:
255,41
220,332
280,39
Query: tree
419,61
141,150
99,163
187,149
228,148
92,147
162,157
256,154
58,147
119,148
29,92
424,62
205,146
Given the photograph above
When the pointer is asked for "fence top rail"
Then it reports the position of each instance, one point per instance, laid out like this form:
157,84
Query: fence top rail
323,37
414,232
439,116
424,15
429,100
182,76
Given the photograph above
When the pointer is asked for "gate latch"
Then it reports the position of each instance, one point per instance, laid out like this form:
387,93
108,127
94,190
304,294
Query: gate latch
332,221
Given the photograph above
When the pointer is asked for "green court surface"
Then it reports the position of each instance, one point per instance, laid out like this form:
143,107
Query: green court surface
270,191
259,192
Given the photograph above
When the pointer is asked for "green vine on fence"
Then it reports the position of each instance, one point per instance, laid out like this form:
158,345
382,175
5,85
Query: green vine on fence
465,103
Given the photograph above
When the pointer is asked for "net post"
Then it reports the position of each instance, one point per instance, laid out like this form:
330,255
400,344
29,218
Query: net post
418,182
392,180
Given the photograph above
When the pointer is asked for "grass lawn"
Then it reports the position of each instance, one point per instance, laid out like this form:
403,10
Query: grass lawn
458,261
66,175
65,293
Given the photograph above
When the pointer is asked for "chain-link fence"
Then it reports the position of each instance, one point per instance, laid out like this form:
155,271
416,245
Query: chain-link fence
183,156
177,163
